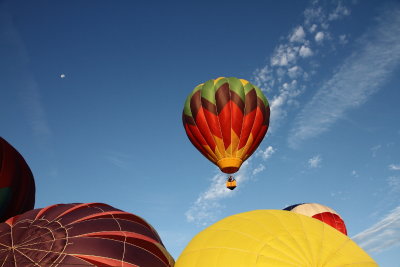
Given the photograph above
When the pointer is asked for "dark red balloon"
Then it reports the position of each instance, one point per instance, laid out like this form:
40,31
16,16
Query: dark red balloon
91,234
17,186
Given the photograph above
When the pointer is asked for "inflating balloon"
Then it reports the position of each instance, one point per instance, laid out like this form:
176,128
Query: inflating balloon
17,186
226,119
320,212
92,234
264,238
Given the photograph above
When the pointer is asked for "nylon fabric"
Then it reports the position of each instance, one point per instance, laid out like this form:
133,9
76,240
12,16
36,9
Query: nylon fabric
226,118
278,238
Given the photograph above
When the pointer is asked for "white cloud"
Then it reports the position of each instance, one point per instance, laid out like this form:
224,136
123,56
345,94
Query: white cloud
354,173
375,150
292,60
394,167
263,78
354,82
121,160
314,15
267,153
339,12
305,51
259,169
298,35
291,88
394,184
280,72
383,235
295,72
313,28
319,37
340,195
343,39
34,108
277,111
284,55
315,161
207,206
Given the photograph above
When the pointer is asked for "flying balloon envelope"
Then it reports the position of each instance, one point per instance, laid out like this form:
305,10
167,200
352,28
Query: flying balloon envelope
272,238
17,186
92,234
226,119
320,212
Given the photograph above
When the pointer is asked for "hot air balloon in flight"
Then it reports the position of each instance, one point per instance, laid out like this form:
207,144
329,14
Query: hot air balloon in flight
266,238
226,119
320,212
17,186
89,234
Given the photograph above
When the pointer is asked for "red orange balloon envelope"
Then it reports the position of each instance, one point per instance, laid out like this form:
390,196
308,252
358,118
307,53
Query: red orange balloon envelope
226,119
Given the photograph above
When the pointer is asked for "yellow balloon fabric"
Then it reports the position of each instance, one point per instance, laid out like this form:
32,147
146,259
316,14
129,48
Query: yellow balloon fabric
272,238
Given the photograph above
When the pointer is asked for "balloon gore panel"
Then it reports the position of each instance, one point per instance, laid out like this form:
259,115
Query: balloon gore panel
91,234
264,238
226,119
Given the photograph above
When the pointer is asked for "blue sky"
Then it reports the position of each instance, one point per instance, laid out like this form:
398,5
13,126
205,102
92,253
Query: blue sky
109,130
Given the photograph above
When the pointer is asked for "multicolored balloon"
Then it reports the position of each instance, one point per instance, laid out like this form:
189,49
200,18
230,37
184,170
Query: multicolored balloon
17,186
265,238
226,119
92,234
320,212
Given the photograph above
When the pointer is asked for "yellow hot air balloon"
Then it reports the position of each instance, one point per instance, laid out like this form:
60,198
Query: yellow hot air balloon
272,238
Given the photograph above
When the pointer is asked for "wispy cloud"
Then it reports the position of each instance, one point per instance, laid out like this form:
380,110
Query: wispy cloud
340,195
294,60
266,153
343,39
319,37
35,111
340,12
119,159
290,66
394,184
362,74
315,161
259,169
354,173
394,167
207,206
298,35
27,86
375,149
383,235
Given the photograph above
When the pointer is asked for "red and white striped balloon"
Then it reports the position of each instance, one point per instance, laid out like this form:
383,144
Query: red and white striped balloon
320,212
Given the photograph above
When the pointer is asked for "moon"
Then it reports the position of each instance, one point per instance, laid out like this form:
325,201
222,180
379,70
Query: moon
62,76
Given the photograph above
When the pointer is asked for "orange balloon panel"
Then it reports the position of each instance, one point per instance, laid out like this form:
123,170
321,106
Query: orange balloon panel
226,119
